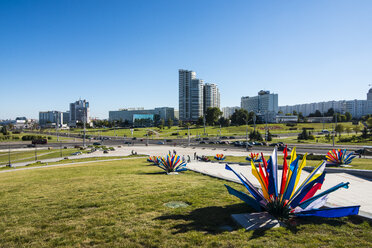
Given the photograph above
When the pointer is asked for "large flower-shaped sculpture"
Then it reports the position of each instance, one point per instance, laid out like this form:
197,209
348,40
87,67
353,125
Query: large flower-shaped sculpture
339,157
219,157
255,157
153,159
287,197
172,163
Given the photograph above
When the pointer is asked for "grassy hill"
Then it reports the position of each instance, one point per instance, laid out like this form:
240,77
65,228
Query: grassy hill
121,204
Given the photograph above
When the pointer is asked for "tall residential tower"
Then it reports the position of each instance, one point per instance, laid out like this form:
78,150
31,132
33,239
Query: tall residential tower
195,96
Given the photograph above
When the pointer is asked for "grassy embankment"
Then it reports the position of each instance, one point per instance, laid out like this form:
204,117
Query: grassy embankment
211,131
121,204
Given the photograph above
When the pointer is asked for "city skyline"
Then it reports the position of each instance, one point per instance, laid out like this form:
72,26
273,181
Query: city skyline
127,54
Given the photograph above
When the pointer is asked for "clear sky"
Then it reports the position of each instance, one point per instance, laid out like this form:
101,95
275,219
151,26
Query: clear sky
120,54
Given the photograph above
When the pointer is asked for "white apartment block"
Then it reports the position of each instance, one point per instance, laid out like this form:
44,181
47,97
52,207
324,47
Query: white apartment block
227,112
265,104
357,108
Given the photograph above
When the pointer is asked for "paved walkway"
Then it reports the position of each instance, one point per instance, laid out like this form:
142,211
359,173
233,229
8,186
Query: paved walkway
358,193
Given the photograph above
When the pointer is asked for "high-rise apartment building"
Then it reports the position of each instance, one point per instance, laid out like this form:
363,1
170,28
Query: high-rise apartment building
50,118
195,96
265,105
211,96
79,112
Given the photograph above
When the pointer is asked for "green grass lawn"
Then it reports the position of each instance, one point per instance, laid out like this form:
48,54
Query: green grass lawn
210,130
357,163
18,138
24,156
121,204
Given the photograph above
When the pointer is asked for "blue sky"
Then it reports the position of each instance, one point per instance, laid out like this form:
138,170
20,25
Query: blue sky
122,53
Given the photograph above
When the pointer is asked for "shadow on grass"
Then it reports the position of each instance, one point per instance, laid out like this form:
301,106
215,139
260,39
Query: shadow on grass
152,173
294,224
209,219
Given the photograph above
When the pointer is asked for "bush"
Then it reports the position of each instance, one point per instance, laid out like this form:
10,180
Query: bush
292,128
15,137
291,124
175,134
49,137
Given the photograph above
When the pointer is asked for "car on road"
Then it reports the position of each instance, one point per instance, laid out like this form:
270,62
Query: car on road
76,153
127,142
160,143
231,137
169,140
202,142
281,148
224,137
205,138
105,151
211,142
96,144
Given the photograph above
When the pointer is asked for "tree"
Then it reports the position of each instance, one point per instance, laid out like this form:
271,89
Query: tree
180,123
269,136
339,129
4,130
239,117
212,115
170,123
255,136
348,130
224,122
156,120
365,133
356,129
200,121
330,112
369,122
348,116
162,123
303,135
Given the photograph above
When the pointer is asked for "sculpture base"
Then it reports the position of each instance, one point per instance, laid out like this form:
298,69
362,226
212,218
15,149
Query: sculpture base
253,221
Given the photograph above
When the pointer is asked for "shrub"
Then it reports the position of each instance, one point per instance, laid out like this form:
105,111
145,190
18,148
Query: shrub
49,137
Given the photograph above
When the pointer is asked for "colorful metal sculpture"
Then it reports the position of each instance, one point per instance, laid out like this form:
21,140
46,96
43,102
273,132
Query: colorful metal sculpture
172,163
339,157
153,159
286,198
255,157
219,157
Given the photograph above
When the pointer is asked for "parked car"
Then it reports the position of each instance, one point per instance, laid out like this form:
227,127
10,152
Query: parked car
202,142
96,144
169,140
76,153
205,138
160,143
211,142
231,137
105,151
127,142
224,137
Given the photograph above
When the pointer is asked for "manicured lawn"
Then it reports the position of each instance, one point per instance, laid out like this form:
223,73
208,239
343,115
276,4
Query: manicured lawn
25,156
210,130
18,138
121,204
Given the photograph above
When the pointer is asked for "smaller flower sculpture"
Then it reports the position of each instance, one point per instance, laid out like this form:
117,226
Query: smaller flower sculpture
220,157
153,159
172,163
339,157
255,157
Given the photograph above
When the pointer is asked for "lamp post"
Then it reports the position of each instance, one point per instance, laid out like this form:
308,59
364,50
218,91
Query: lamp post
9,164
